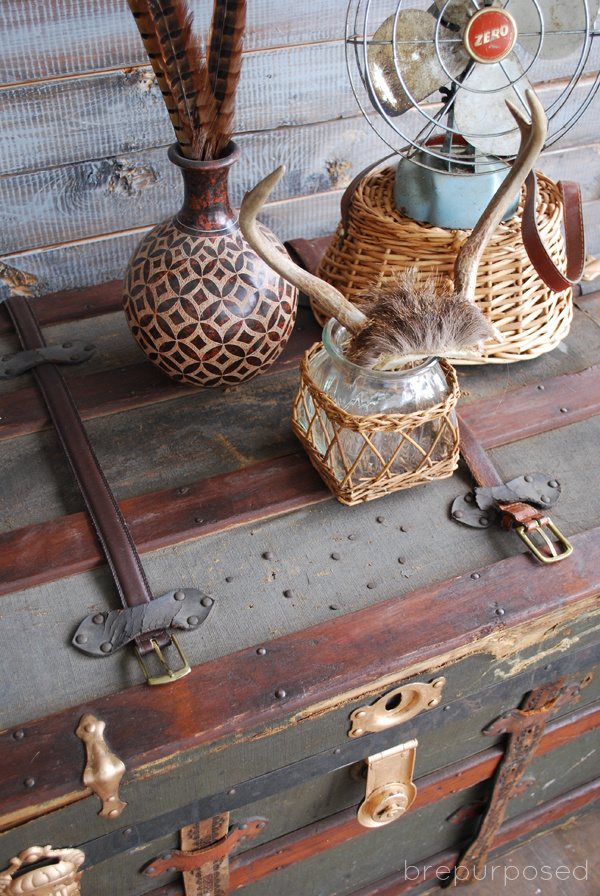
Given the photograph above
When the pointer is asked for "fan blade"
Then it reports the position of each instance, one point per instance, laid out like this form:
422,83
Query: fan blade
416,59
456,12
480,111
564,25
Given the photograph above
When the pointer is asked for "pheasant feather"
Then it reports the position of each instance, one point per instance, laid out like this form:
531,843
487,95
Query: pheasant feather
200,103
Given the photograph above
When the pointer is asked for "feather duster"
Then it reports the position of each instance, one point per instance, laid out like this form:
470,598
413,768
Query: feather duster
199,93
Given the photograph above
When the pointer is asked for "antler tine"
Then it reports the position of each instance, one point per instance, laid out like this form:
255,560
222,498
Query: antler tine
328,298
533,135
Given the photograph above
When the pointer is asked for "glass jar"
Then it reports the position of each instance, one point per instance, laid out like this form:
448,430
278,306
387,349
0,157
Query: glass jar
363,392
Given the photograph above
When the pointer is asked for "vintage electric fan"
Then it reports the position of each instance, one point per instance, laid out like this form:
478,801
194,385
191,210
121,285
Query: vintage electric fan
432,79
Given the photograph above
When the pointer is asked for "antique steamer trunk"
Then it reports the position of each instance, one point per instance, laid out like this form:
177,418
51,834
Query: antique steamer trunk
335,634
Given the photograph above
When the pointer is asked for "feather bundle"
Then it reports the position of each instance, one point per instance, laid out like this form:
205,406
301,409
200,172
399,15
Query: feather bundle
199,93
407,318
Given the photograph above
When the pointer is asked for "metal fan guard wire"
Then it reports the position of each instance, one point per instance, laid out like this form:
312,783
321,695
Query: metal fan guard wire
357,46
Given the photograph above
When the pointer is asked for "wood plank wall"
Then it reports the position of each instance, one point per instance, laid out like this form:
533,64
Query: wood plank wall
84,132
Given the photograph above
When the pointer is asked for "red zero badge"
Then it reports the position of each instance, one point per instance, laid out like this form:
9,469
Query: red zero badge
490,35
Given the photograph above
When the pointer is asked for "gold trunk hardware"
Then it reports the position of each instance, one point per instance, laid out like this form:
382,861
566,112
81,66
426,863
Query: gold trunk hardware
390,789
396,707
59,878
104,770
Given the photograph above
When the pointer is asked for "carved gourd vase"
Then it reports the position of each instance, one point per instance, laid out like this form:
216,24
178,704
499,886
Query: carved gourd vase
200,303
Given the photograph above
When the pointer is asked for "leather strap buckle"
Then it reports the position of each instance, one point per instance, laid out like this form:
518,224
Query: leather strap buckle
538,526
171,674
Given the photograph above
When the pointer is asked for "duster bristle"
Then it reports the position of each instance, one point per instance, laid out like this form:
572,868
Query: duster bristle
410,317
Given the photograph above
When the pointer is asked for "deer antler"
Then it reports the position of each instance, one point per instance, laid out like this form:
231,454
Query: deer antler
329,299
533,135
405,320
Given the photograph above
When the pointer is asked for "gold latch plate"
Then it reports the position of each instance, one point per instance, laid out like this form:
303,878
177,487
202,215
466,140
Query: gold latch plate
390,790
395,707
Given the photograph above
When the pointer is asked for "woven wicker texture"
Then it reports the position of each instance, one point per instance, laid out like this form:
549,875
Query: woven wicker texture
327,422
380,240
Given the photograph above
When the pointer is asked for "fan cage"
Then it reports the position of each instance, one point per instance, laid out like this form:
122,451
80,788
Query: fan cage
365,16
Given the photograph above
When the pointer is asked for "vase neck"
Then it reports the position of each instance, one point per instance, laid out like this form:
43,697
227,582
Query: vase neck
206,207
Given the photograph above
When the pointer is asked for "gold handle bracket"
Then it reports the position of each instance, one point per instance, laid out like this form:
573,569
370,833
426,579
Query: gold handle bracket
104,770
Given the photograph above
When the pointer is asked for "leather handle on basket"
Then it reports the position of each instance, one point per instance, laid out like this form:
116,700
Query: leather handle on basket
570,194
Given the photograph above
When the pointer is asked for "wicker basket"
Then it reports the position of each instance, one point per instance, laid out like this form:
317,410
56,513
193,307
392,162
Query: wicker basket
379,240
326,422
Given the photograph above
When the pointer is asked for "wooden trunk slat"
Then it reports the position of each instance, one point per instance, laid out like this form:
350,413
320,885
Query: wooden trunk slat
316,664
125,388
73,304
64,546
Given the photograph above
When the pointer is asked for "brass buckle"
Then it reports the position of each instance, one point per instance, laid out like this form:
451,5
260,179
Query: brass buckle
172,674
554,555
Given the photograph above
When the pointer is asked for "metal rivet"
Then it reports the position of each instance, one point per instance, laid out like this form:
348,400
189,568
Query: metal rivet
106,647
19,734
380,519
98,618
113,812
371,585
433,703
29,782
545,499
337,751
402,560
352,537
458,514
173,868
199,519
229,578
499,611
548,667
528,478
127,832
261,651
268,555
404,528
358,730
502,731
280,694
207,601
81,639
179,595
446,707
333,606
483,521
74,357
360,714
541,387
192,620
335,556
475,575
184,490
231,792
564,410
261,825
553,483
150,870
469,498
288,593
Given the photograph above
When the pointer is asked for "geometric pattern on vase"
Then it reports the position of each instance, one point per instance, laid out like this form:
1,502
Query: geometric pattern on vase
205,308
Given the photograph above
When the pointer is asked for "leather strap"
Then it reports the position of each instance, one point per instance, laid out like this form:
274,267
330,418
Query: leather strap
211,878
525,728
574,235
113,534
485,474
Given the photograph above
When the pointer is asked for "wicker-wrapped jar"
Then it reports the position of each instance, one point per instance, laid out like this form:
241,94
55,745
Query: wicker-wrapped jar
371,432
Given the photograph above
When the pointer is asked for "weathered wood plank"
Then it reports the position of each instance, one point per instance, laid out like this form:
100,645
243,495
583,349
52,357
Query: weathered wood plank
81,264
101,34
91,198
52,123
138,189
